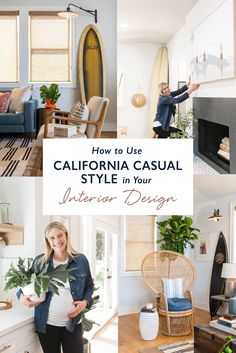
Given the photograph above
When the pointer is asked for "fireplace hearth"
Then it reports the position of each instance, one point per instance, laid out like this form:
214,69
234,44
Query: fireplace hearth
215,132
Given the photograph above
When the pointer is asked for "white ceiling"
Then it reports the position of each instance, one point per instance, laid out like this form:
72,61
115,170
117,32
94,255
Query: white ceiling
151,20
211,187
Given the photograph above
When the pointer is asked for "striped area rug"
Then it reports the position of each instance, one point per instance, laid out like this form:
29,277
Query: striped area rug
14,155
179,347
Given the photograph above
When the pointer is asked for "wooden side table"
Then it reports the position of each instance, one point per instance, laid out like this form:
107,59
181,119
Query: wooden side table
208,339
42,115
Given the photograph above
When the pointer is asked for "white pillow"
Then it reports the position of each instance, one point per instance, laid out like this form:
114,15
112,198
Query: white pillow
80,111
173,288
18,97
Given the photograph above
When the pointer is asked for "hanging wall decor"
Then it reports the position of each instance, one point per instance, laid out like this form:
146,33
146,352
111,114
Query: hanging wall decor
139,100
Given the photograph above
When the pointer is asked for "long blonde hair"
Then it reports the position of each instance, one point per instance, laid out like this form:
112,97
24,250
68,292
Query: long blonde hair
48,251
161,84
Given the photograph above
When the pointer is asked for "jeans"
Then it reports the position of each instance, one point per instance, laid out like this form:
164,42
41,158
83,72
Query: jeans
57,337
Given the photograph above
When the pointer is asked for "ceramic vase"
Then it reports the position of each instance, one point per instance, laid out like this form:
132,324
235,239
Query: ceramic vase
148,325
29,290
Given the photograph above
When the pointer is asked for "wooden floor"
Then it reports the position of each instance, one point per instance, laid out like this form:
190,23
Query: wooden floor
130,340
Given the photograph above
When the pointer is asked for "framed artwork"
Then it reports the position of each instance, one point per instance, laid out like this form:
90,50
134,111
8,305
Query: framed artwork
139,240
181,108
203,247
212,45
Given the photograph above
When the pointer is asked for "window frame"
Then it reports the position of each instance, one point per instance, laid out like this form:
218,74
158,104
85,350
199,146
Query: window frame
71,33
15,14
126,272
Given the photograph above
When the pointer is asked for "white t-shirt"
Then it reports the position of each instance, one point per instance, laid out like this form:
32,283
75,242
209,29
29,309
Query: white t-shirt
61,304
157,123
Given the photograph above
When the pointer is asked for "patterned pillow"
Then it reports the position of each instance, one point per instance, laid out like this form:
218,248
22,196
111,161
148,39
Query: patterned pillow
173,288
80,111
4,101
18,97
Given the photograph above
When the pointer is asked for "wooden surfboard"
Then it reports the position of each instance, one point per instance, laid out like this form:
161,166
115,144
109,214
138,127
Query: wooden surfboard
91,64
217,285
159,74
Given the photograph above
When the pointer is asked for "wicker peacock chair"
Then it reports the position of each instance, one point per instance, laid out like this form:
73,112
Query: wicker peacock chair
168,264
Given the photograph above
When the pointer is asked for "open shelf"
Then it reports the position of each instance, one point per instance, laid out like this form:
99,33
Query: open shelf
12,235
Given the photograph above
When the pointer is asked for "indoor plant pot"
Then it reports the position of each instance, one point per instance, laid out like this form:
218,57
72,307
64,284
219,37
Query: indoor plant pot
29,291
50,95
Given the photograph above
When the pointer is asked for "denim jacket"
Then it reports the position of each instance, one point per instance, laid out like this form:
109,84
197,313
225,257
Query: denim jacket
165,106
81,289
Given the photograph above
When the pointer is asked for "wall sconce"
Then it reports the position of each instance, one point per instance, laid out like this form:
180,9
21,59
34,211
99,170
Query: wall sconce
229,272
138,100
69,13
216,216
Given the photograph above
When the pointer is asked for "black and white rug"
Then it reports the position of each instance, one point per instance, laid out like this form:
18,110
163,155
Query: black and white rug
179,347
14,155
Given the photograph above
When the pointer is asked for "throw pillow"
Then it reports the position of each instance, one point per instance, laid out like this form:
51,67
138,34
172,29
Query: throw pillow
80,111
4,101
18,97
173,288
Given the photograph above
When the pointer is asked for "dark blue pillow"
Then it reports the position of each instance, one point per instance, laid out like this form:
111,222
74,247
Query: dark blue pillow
179,304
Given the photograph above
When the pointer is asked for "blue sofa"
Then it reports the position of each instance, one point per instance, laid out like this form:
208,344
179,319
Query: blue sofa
23,122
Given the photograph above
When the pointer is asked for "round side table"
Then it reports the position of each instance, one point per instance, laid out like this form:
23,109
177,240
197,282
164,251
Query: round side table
148,324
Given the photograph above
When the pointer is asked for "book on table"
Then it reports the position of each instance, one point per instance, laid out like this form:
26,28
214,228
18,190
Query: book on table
229,316
223,319
222,327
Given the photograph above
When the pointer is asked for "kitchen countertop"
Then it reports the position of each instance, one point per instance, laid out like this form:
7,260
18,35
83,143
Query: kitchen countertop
14,318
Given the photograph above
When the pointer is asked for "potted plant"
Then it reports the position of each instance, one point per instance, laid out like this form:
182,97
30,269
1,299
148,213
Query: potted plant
177,233
36,280
184,123
50,95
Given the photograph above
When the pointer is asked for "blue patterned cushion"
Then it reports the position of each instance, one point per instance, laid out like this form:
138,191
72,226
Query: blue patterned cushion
179,304
173,288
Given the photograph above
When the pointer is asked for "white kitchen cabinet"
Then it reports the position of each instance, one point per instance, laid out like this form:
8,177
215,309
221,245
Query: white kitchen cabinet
17,333
21,340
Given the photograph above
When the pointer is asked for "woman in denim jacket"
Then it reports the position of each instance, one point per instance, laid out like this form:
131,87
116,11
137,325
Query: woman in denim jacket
57,319
166,107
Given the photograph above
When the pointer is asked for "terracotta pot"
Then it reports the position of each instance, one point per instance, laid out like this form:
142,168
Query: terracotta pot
50,105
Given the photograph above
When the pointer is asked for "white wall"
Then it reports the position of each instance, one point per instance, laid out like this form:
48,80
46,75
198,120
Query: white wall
20,193
136,60
107,27
201,213
179,54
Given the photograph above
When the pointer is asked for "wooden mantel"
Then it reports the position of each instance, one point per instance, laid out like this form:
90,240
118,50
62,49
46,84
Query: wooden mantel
12,235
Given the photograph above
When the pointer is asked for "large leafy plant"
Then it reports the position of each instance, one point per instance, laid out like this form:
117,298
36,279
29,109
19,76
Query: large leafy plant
87,324
177,233
43,278
184,123
51,92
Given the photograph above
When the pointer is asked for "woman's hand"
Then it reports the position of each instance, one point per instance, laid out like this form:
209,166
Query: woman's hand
79,306
193,88
25,299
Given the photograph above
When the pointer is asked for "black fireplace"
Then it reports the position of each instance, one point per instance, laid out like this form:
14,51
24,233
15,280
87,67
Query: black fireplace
214,121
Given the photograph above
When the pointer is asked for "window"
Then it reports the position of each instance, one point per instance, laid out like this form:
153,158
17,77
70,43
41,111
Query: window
50,49
9,46
139,240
